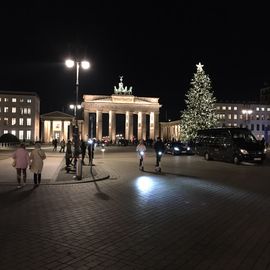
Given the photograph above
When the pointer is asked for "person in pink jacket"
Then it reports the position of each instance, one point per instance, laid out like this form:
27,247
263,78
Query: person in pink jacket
21,157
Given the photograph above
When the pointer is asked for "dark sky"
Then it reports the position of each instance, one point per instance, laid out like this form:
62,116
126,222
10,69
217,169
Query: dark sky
154,46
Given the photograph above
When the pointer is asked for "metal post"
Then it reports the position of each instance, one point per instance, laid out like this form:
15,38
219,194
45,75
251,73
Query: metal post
76,127
92,142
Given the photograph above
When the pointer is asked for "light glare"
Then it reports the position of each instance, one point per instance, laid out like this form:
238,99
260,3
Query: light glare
85,64
70,63
144,184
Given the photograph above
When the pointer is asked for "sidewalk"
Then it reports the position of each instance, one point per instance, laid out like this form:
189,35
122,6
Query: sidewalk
53,171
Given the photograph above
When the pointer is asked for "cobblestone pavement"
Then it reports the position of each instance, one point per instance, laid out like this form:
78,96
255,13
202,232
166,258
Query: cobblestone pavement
136,220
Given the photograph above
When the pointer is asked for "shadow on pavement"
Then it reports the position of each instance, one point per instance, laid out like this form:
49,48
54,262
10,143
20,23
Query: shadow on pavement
101,195
14,195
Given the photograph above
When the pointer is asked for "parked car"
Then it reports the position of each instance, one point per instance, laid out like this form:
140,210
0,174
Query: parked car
178,148
229,144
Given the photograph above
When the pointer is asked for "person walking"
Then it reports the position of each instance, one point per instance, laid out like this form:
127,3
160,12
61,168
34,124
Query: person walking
159,147
68,155
21,160
141,150
62,146
91,149
83,150
54,142
36,163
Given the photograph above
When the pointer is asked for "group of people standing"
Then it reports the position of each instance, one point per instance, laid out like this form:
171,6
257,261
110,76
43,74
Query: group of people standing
22,160
83,146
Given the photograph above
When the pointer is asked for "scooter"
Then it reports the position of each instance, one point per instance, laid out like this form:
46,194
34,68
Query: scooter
141,154
158,168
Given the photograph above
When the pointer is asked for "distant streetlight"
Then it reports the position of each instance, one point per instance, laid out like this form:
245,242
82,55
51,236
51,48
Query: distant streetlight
85,65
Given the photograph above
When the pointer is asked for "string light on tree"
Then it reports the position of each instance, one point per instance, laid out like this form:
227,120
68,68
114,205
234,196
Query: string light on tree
200,106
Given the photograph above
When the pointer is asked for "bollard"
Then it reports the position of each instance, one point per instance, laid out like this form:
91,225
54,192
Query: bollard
79,169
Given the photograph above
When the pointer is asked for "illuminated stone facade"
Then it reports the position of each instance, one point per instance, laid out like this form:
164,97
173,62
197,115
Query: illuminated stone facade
121,102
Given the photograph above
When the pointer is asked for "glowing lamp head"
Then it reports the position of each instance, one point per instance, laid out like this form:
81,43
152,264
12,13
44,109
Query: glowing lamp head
90,141
72,106
159,153
70,63
141,153
79,107
85,64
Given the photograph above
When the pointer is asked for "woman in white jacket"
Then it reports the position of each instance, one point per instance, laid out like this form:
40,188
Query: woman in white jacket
36,163
141,149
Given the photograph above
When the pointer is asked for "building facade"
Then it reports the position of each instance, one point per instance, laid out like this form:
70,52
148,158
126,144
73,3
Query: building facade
255,117
20,114
170,130
56,125
121,102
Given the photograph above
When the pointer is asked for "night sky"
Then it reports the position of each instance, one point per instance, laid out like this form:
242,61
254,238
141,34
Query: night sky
154,46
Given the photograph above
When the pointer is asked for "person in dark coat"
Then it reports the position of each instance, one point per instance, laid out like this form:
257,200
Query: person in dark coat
159,147
83,150
90,148
68,153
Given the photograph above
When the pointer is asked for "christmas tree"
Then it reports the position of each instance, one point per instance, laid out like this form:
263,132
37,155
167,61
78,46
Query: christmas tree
200,106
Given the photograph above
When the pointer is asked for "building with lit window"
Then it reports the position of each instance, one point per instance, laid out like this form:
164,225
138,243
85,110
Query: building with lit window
255,117
20,114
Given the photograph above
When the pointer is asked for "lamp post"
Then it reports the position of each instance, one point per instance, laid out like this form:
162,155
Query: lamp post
85,65
247,113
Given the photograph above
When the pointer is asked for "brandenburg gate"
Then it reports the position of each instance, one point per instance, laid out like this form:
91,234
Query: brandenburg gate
122,102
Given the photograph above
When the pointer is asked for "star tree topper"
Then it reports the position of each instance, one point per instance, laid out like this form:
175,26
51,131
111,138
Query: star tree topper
199,67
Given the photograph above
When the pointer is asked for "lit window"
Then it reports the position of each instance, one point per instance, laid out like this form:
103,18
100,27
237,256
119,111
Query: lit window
218,107
13,110
257,109
28,121
268,109
21,121
29,100
235,125
20,134
14,100
235,108
5,121
21,100
24,110
21,110
13,121
235,116
241,116
0,109
229,108
229,116
28,135
229,124
29,110
257,117
6,99
5,131
262,109
223,108
262,117
13,132
6,109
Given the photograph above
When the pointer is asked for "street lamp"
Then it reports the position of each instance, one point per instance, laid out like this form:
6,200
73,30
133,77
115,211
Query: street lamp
247,113
84,65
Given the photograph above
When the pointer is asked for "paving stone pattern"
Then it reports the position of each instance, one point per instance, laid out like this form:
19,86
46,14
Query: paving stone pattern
182,223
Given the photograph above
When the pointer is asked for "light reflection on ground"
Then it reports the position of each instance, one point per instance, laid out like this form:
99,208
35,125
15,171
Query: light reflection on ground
144,184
